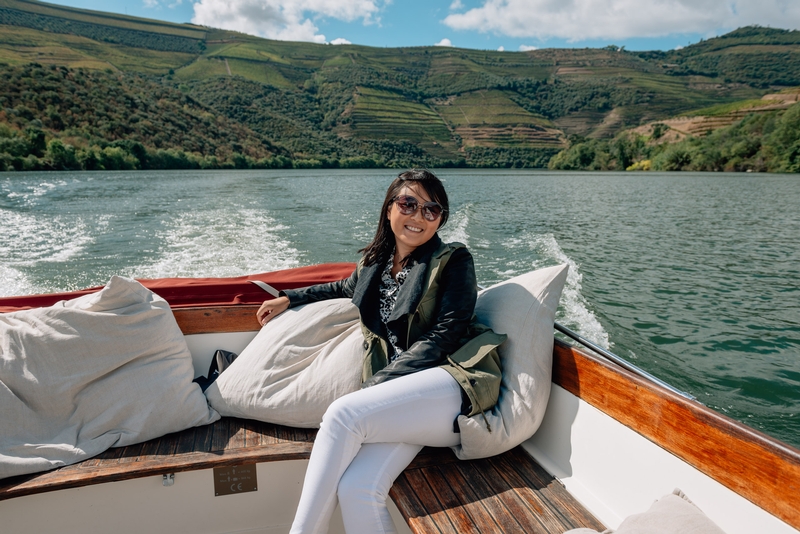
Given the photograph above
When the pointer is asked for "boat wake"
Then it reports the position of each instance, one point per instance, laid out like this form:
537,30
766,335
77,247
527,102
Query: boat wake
514,258
14,283
31,239
456,227
574,312
221,243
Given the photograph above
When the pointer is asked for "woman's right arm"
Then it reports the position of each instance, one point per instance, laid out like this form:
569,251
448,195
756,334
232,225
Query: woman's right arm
295,297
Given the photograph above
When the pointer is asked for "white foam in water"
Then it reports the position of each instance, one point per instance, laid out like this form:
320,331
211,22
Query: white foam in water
576,314
31,192
220,243
14,283
30,238
456,227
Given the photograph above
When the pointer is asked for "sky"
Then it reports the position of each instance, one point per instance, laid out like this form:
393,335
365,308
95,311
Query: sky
506,25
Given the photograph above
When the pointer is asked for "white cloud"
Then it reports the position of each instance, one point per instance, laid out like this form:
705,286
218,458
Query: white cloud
577,20
501,48
526,48
444,42
289,20
456,5
339,41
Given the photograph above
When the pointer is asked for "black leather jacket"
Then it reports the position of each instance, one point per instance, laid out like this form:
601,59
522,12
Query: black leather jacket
456,298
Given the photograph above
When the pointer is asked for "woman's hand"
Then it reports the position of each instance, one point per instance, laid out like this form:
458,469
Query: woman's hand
271,308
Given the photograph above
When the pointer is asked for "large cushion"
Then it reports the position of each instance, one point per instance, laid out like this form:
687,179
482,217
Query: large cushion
297,365
524,308
107,369
671,514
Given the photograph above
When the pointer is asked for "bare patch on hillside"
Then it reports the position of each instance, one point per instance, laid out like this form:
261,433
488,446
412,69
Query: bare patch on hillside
789,98
580,123
511,136
610,125
573,71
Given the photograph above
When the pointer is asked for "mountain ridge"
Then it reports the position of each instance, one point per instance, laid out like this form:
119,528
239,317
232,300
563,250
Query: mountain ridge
331,105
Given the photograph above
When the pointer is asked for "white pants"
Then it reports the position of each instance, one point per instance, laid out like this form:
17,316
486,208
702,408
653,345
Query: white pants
365,441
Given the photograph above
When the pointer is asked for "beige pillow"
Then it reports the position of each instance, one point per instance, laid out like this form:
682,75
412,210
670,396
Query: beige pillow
296,366
671,514
103,370
524,308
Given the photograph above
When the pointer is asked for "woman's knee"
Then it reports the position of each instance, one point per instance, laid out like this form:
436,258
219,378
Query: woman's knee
340,415
359,488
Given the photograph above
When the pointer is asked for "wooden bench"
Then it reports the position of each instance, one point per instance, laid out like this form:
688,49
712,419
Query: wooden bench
436,494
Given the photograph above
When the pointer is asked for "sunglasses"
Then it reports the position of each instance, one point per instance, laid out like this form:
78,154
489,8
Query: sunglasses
408,205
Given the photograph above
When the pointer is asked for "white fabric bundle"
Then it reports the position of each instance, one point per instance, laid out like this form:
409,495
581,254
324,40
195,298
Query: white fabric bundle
103,370
524,308
671,514
297,365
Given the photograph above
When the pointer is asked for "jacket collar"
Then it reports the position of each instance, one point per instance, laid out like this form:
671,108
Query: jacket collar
366,296
409,297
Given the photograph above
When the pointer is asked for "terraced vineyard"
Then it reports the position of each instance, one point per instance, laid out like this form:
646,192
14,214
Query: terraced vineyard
341,105
490,118
381,114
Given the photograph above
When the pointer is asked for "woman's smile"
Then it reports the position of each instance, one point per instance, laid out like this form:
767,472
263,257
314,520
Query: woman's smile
411,231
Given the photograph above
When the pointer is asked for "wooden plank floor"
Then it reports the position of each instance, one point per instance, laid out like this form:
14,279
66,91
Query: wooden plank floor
440,494
437,493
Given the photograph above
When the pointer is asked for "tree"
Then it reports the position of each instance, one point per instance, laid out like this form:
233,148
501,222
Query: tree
61,156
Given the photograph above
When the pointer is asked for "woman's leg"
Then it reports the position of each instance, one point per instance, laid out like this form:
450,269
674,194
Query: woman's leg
417,409
364,486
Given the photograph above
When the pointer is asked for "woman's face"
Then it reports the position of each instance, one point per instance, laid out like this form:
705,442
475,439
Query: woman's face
411,231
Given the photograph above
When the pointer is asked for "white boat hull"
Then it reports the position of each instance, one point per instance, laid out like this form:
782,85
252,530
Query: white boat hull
615,472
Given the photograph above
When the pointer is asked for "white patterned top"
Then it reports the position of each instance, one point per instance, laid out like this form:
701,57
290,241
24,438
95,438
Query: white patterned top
389,289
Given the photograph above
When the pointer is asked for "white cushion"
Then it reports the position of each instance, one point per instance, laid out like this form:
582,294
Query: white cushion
107,369
297,365
671,514
524,308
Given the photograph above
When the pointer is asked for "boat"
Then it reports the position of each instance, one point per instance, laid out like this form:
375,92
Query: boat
612,442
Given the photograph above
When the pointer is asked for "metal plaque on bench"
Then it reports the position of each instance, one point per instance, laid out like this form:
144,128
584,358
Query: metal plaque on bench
235,479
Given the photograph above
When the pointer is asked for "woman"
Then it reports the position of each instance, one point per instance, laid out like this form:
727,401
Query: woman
416,297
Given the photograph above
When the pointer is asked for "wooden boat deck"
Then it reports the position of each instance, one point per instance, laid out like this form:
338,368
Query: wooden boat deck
436,494
439,493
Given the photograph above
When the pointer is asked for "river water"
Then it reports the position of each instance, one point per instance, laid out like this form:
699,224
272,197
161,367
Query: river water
693,277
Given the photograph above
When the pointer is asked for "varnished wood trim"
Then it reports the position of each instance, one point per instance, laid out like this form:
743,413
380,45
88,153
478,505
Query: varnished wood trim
754,465
273,452
211,319
228,441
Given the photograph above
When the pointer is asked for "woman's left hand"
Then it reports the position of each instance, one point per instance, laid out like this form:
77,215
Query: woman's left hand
271,308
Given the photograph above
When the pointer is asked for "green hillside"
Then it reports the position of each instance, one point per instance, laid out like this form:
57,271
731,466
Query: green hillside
748,135
222,98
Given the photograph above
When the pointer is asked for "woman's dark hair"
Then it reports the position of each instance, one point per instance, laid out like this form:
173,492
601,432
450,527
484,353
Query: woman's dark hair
383,242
